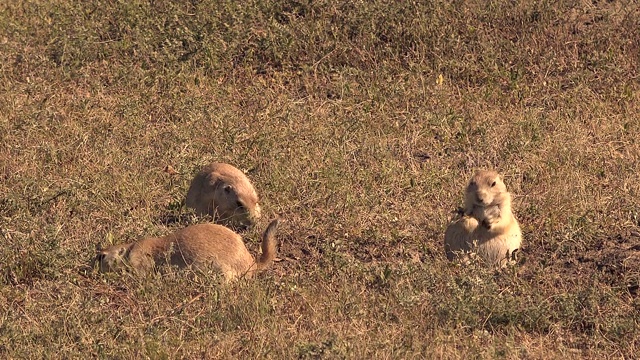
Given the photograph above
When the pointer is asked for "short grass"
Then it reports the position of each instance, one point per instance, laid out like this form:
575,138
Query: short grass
359,123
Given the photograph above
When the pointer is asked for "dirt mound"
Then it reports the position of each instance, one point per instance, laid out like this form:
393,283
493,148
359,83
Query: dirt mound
616,258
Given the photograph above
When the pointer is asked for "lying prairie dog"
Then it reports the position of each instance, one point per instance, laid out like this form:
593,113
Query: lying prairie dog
200,245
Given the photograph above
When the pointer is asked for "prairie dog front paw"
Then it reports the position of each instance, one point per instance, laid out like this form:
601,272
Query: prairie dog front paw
486,215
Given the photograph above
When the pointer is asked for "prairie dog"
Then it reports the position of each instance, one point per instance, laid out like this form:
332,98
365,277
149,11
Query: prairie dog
201,244
225,193
488,226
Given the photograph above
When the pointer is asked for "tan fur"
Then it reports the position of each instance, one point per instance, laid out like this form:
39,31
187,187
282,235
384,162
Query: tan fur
488,227
201,244
225,193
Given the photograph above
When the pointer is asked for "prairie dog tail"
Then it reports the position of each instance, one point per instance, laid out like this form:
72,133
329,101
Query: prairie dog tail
269,243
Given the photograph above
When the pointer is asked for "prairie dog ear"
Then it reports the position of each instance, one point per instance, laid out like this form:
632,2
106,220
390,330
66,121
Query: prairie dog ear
213,183
216,183
212,180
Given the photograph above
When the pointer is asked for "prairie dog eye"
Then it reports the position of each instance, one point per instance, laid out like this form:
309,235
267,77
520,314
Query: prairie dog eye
493,184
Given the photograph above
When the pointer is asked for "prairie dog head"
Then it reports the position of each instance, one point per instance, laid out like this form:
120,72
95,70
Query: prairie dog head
485,190
112,257
225,193
235,203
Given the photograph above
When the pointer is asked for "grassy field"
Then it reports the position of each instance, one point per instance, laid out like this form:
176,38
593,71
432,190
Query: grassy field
360,123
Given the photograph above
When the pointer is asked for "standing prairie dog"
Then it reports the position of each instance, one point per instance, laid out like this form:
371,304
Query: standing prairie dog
225,193
198,245
488,227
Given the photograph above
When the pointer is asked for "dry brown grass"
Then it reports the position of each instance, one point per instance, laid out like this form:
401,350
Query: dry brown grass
359,123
